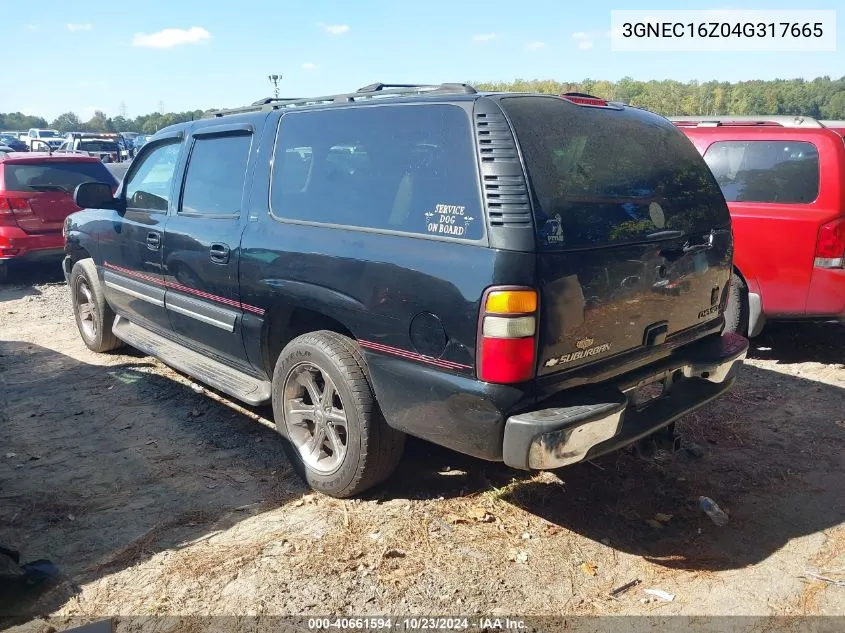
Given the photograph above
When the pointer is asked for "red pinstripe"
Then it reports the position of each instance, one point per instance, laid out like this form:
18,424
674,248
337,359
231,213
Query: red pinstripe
387,349
379,347
181,288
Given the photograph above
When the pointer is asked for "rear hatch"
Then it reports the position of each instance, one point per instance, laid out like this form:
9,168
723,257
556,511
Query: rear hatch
633,234
39,195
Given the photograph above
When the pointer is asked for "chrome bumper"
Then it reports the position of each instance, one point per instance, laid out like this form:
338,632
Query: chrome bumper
560,436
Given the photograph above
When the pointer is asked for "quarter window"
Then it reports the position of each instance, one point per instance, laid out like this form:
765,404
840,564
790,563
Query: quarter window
214,182
784,172
149,185
403,168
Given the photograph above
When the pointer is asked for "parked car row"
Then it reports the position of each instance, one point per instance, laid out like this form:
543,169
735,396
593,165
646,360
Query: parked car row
37,139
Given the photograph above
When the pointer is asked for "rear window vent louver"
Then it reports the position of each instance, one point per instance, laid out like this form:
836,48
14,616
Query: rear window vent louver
505,191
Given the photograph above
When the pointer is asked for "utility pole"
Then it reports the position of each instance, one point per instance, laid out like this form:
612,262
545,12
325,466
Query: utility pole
161,107
122,109
275,79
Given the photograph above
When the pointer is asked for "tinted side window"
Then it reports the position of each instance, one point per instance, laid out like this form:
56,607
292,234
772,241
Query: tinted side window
214,183
404,168
149,185
785,172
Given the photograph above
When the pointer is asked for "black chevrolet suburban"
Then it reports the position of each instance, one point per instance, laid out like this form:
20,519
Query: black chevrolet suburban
525,278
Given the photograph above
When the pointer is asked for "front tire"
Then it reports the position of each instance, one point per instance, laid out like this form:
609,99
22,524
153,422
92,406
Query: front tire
737,310
325,409
94,317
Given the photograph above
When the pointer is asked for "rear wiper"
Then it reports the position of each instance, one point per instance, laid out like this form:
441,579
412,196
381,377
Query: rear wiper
48,188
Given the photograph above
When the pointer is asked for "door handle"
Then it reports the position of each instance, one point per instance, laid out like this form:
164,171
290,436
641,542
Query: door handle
219,253
153,241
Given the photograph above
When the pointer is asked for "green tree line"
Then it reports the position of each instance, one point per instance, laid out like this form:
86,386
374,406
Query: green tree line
100,122
822,97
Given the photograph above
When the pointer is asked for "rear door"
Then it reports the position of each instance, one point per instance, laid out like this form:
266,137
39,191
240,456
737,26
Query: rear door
201,247
43,191
633,235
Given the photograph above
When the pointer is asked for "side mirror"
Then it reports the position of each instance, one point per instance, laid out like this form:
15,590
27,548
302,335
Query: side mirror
94,195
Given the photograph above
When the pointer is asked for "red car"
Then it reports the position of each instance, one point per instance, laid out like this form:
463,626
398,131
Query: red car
36,195
784,180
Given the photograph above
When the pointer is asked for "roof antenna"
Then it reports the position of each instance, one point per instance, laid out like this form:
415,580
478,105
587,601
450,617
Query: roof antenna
275,79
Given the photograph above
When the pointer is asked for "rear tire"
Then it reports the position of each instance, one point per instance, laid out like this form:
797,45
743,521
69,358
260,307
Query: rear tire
325,409
94,317
4,273
737,311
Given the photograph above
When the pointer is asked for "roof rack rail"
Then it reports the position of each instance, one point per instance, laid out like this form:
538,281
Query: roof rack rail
267,100
452,87
372,91
748,120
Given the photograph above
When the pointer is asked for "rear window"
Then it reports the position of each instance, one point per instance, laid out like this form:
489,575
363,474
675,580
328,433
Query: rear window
54,176
98,146
603,176
785,172
402,168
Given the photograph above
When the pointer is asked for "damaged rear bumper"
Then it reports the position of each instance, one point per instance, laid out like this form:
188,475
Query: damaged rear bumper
584,425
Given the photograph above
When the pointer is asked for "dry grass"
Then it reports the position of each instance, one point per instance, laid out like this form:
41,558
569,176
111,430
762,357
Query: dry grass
834,547
144,545
807,602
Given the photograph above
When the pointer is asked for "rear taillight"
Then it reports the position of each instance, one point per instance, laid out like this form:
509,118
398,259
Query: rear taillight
13,208
507,348
830,245
582,99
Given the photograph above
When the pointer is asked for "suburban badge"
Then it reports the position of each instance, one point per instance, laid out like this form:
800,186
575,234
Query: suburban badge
586,349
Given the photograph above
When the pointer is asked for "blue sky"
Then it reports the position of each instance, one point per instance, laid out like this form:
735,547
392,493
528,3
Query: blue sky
83,55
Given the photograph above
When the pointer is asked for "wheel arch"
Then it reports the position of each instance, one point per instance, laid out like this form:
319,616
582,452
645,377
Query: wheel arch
756,314
285,324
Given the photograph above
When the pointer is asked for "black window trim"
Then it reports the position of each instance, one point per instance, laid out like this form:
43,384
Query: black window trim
481,241
229,129
208,133
762,140
169,138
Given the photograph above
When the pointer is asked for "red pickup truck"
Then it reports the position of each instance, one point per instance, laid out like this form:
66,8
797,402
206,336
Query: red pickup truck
784,180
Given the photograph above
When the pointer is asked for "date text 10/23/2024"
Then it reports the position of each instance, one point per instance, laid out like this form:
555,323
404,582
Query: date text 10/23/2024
417,624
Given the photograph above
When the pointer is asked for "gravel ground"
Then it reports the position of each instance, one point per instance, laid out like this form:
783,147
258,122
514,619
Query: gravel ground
156,496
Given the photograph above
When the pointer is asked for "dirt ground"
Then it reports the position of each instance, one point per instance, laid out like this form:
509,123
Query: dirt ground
155,496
